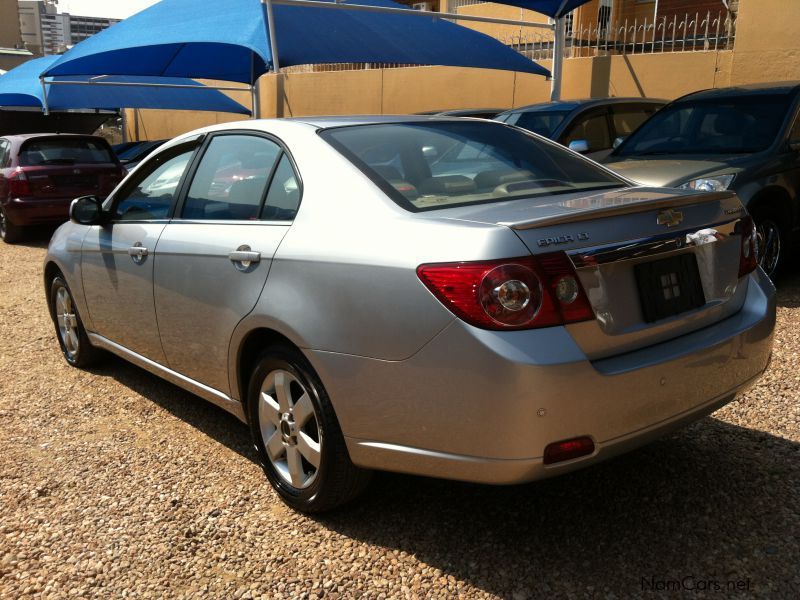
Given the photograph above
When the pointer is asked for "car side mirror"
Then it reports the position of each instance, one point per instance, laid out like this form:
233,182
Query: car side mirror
618,142
580,146
86,210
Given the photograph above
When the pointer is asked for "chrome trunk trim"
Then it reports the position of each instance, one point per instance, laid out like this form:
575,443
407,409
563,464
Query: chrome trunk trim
652,246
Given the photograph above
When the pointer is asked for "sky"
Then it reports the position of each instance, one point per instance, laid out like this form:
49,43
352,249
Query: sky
118,9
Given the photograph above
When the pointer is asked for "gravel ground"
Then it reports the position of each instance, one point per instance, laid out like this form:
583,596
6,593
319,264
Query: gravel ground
114,483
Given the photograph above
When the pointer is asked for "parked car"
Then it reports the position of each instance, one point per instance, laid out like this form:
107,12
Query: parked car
745,139
40,174
590,127
504,311
475,113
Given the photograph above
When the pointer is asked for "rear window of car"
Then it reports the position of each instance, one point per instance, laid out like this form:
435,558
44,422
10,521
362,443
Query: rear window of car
425,166
64,152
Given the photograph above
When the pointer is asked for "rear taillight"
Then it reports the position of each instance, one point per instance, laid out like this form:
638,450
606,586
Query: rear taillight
18,184
518,293
748,258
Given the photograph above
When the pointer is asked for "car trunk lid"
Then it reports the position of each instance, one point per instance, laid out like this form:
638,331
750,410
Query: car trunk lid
655,263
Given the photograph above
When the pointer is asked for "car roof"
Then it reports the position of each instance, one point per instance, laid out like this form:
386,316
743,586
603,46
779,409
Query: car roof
755,89
570,105
345,121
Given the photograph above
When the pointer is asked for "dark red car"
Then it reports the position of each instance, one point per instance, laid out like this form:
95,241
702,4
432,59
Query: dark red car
40,175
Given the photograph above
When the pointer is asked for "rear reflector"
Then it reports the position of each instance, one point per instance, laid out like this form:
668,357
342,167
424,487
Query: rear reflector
568,450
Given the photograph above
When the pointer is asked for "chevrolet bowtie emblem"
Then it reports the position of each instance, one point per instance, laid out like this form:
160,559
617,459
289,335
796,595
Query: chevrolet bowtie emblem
670,217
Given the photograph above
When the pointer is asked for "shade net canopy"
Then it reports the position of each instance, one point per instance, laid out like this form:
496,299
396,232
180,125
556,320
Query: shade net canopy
21,87
551,8
229,40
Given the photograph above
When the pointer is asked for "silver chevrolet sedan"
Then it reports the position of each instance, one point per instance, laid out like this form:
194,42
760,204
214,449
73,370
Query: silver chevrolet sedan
448,297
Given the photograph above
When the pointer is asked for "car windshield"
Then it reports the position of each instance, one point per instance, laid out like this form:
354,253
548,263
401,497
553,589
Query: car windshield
425,166
64,152
725,125
542,122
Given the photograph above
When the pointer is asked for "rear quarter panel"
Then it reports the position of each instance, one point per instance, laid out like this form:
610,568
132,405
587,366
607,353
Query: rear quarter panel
344,278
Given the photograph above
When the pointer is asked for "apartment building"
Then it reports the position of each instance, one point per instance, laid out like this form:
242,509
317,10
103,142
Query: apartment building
45,30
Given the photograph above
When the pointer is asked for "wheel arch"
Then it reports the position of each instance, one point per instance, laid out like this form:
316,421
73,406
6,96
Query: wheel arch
247,353
778,198
51,269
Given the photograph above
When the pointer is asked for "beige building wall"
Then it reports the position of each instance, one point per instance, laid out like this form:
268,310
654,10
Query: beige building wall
767,41
9,25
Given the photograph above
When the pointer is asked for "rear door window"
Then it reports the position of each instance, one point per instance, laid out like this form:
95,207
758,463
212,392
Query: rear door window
232,179
153,188
65,151
283,197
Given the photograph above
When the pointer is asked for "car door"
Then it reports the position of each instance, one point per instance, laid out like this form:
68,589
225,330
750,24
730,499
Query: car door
214,256
117,258
591,126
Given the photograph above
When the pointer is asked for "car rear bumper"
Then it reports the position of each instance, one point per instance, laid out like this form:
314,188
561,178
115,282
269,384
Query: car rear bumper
481,406
37,211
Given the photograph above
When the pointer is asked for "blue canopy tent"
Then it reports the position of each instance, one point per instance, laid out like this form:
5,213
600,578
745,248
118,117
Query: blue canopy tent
236,40
21,88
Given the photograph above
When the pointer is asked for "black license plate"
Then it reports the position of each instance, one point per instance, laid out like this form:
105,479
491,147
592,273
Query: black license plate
669,287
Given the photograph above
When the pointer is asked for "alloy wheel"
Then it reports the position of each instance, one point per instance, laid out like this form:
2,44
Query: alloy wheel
768,245
67,323
290,428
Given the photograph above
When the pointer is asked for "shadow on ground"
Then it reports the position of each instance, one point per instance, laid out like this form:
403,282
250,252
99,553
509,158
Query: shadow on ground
713,501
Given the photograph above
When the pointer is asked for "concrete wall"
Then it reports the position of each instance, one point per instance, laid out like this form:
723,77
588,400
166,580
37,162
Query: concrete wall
767,41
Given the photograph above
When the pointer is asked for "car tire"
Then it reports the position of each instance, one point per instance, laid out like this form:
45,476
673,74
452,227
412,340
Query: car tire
75,345
294,426
772,236
10,233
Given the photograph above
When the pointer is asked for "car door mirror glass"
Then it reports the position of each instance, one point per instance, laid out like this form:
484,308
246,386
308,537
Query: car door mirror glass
86,210
581,146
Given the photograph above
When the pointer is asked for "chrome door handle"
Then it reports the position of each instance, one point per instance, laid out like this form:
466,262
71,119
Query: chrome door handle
137,252
243,257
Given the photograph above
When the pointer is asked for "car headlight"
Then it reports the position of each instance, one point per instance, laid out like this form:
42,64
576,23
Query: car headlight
717,183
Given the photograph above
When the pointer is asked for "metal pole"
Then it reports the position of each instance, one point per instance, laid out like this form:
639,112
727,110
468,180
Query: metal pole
45,102
558,58
273,43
